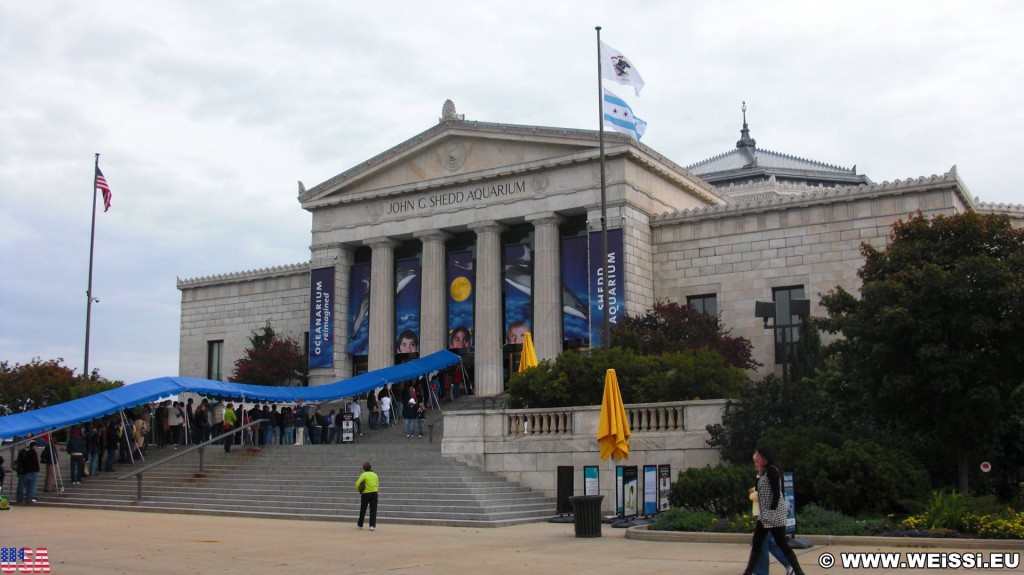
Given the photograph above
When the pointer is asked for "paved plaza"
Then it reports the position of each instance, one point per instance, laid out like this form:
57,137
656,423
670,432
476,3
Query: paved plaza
86,542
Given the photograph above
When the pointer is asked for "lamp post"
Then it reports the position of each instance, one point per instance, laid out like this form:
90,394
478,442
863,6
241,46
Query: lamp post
766,310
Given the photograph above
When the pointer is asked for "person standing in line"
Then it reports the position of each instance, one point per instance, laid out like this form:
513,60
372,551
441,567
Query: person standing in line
93,438
773,509
190,422
367,485
275,425
266,426
202,421
28,472
299,416
287,426
332,426
357,412
409,415
421,417
229,423
49,458
385,409
76,449
373,411
217,419
113,434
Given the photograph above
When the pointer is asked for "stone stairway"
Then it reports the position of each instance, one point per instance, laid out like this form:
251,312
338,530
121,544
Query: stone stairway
316,482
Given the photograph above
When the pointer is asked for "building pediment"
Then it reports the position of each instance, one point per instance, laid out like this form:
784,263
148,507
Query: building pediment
453,151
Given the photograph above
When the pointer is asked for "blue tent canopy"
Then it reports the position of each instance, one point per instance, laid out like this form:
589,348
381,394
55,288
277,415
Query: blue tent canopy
114,400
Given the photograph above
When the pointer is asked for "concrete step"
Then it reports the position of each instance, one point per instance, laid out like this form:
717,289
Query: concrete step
315,482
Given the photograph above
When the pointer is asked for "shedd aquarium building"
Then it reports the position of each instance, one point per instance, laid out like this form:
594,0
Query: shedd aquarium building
470,234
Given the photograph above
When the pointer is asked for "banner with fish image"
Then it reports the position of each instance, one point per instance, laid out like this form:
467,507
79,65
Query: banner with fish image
599,289
359,309
407,306
461,295
321,318
518,292
575,296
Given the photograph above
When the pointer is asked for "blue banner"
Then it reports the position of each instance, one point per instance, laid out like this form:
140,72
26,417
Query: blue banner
359,309
575,293
321,318
650,506
518,291
787,488
407,306
612,290
461,295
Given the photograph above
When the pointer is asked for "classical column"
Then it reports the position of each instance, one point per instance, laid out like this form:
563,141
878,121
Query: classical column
488,338
382,302
547,286
345,257
433,320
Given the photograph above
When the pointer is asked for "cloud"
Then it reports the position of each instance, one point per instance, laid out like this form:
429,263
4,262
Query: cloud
206,114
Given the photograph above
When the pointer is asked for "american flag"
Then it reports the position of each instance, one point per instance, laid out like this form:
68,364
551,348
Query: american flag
101,183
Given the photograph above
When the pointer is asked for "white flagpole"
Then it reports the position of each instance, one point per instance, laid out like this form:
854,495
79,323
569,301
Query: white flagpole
88,291
604,203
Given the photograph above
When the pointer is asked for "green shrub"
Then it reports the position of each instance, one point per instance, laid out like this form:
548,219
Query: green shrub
683,520
578,379
851,476
721,490
816,520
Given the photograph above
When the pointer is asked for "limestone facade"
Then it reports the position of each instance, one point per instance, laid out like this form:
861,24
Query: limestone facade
465,183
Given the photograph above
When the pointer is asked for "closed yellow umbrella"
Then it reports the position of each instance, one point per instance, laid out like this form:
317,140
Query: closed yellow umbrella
613,429
528,357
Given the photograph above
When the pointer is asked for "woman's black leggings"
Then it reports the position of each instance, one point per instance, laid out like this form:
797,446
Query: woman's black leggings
779,533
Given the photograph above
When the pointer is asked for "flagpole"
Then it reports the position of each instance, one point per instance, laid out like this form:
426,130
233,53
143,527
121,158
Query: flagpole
604,203
88,292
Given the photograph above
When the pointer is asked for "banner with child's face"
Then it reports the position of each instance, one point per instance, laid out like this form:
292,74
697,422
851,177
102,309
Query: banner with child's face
407,305
518,285
461,280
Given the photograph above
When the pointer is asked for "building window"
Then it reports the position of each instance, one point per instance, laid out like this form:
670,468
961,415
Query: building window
787,325
707,303
214,354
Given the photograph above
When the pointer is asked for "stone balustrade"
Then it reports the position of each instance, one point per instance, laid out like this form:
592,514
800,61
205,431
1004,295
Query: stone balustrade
528,445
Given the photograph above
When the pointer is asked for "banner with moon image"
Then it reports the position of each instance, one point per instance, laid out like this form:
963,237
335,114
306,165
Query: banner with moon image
461,281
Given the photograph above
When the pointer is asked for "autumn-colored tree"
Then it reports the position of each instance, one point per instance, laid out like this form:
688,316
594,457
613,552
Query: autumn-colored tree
271,360
669,327
37,384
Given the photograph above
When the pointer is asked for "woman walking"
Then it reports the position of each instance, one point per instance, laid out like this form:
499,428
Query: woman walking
773,511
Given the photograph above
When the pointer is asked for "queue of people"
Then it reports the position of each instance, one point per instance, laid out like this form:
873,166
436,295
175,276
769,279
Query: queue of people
127,437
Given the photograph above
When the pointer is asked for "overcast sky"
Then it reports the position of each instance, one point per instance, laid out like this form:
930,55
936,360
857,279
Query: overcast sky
207,113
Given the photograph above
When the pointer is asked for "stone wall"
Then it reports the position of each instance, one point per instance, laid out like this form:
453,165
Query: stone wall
740,253
230,307
528,445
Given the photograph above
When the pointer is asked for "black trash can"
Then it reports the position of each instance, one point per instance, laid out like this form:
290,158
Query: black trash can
587,515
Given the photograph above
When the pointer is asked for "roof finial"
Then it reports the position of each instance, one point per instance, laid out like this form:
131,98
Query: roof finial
448,112
745,140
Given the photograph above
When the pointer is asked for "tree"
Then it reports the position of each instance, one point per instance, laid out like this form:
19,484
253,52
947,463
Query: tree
37,384
670,327
936,341
271,360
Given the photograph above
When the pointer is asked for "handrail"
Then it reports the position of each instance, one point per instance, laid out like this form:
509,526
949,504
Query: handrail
200,448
